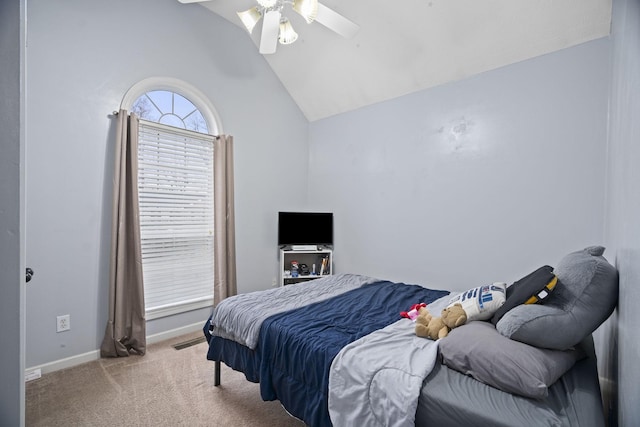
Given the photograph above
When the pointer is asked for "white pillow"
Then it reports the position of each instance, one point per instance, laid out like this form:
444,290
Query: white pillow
482,302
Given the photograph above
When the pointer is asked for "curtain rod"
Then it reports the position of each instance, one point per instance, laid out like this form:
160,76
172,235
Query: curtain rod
115,113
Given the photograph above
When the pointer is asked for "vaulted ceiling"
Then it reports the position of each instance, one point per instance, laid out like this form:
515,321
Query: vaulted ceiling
409,45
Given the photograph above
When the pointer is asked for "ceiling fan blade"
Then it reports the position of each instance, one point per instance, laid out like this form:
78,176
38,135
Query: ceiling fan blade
270,29
336,22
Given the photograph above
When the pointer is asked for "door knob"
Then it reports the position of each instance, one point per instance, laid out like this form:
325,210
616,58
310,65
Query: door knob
29,273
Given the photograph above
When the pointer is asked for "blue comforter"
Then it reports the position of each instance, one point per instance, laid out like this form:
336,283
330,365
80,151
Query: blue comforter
296,348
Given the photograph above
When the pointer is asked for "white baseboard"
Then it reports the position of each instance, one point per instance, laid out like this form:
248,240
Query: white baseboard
194,327
90,356
67,362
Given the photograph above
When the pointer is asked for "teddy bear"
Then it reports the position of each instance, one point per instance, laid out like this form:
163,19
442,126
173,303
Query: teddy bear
454,316
430,327
439,327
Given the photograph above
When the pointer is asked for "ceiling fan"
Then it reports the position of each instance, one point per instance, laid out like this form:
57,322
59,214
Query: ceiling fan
277,28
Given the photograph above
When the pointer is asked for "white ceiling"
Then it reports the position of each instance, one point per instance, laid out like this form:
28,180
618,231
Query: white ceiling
410,45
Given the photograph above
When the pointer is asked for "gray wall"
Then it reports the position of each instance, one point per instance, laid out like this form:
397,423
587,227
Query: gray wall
12,213
472,182
83,57
623,215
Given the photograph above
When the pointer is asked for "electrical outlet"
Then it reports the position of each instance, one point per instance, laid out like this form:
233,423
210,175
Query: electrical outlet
274,282
63,323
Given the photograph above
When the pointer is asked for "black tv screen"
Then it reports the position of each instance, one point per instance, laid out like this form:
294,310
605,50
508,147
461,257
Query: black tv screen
305,228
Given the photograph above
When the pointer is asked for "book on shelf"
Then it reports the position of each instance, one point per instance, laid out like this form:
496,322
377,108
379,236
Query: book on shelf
324,266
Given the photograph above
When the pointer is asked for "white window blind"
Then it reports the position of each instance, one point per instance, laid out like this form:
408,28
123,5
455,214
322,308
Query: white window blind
175,185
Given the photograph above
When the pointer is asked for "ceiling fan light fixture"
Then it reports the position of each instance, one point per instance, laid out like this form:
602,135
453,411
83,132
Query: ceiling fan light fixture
287,33
267,3
250,18
308,9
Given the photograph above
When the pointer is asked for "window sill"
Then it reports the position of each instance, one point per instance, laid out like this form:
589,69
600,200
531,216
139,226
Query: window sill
182,307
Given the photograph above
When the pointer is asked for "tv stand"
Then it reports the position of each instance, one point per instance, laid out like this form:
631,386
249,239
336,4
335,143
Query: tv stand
321,257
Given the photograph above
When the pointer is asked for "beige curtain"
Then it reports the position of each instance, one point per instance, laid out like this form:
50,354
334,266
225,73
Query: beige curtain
126,328
224,222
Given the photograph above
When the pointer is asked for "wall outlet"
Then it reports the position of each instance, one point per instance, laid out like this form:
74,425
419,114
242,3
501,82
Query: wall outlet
63,323
274,282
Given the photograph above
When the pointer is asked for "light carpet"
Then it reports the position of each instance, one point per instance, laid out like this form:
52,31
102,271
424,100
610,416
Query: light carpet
166,387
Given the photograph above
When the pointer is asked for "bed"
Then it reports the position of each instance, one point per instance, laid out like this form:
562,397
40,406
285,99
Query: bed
336,351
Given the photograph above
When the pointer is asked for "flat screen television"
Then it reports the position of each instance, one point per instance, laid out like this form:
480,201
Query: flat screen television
305,228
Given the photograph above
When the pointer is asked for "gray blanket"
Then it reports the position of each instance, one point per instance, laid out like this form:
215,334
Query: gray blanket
376,380
240,317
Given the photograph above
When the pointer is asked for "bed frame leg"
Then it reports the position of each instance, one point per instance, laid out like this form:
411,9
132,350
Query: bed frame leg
216,381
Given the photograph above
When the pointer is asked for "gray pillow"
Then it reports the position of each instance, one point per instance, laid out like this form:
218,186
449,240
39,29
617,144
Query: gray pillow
531,289
478,350
585,297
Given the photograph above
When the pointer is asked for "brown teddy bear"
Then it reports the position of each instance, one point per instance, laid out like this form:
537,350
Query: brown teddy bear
439,327
454,316
430,327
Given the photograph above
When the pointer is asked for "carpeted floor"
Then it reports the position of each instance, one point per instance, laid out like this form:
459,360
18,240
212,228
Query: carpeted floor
166,387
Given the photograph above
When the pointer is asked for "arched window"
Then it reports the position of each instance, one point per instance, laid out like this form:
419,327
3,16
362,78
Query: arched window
169,108
174,109
175,191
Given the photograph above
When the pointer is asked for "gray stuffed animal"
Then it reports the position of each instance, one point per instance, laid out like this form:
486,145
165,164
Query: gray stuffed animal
585,296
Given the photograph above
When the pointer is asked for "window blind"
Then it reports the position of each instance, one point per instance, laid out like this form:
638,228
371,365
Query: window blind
175,190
